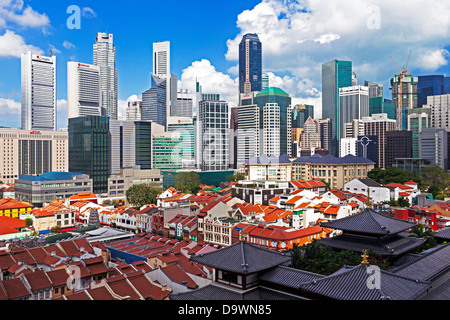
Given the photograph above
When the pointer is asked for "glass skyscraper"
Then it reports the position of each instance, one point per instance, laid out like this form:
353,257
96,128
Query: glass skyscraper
154,106
335,75
301,113
432,85
250,64
89,149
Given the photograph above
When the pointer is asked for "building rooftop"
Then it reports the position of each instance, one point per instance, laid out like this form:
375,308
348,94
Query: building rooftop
51,176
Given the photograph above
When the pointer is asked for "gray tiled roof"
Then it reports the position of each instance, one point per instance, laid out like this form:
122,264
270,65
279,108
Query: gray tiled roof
289,277
370,222
242,257
443,234
428,266
214,292
386,246
353,284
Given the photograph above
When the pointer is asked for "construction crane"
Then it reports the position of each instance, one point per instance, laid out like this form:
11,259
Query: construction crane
402,74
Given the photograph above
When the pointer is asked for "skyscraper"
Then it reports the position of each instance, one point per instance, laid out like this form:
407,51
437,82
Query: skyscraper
440,111
214,138
250,64
105,58
434,146
431,85
335,75
301,113
398,146
353,104
89,149
161,69
417,120
407,99
134,111
38,92
83,90
154,106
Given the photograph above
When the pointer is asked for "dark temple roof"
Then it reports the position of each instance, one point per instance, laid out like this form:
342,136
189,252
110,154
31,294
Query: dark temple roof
215,292
289,277
370,222
443,234
386,246
242,257
355,283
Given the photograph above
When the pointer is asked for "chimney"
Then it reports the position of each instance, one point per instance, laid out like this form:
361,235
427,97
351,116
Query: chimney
53,253
164,287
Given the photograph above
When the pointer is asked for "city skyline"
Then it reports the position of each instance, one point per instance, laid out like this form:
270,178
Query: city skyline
296,38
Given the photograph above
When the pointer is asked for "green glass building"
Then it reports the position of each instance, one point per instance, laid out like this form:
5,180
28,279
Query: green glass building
417,120
301,113
167,151
336,74
89,149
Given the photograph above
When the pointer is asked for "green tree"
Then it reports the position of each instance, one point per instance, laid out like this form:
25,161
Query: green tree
187,182
428,235
236,177
142,194
28,222
403,202
435,176
394,175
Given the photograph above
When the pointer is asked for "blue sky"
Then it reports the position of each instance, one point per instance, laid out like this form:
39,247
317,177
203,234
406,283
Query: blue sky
297,35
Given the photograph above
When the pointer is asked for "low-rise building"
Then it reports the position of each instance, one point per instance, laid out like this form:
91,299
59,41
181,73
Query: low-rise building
376,191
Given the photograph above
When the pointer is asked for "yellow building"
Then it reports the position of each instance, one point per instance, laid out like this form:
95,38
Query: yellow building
13,208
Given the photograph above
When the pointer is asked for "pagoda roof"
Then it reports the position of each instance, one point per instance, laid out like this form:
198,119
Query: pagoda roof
370,222
242,257
351,283
443,234
386,246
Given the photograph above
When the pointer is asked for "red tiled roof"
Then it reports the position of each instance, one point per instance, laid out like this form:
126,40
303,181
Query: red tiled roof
101,294
58,277
15,289
38,280
177,274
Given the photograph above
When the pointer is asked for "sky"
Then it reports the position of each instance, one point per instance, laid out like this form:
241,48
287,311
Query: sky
297,36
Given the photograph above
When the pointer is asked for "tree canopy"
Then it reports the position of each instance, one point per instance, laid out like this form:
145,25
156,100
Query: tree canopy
187,182
142,194
394,175
435,176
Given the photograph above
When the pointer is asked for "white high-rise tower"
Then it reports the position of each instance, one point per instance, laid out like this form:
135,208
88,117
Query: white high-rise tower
161,69
83,90
38,92
105,58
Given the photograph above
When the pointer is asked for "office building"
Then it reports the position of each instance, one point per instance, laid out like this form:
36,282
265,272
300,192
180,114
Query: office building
234,126
348,146
265,81
417,119
398,146
281,101
353,104
105,58
250,64
335,75
377,102
123,145
134,111
310,137
154,102
118,184
38,83
83,90
167,151
367,147
40,189
144,130
185,104
214,139
326,134
434,146
161,69
248,139
89,149
32,153
186,129
431,85
406,100
439,111
301,113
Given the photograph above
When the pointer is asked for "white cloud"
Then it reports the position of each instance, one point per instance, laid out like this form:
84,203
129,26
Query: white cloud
88,13
9,106
433,59
12,11
13,45
61,114
68,45
211,80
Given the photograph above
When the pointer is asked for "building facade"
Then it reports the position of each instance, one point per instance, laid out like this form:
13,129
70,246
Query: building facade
32,153
83,90
38,92
105,57
440,111
399,144
434,146
250,64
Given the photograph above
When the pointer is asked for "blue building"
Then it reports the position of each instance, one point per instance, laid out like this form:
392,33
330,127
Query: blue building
154,105
250,64
431,85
